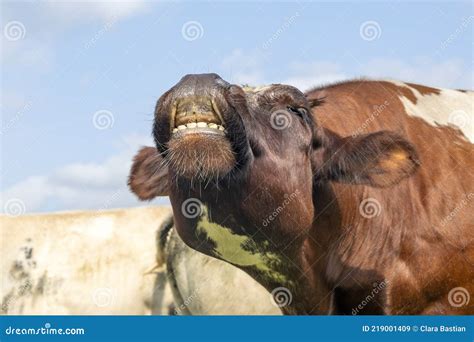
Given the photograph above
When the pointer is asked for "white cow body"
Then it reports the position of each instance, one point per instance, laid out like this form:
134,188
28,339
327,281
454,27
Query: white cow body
79,263
92,263
449,107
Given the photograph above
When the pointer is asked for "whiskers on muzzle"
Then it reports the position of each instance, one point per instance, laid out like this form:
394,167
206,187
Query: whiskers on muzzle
200,159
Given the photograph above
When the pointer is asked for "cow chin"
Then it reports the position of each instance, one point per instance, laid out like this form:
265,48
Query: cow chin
200,155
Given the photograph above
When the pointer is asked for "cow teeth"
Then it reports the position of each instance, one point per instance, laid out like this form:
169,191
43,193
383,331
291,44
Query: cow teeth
200,124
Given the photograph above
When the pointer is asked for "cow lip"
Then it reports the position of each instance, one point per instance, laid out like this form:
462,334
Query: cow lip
197,145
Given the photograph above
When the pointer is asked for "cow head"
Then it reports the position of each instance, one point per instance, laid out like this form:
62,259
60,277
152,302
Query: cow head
239,165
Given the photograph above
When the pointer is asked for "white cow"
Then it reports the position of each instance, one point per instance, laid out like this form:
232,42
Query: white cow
78,263
109,262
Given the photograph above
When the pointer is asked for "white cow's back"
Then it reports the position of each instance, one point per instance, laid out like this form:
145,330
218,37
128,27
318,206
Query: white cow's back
79,262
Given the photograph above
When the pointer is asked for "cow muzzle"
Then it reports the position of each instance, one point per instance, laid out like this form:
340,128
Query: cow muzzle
196,115
192,128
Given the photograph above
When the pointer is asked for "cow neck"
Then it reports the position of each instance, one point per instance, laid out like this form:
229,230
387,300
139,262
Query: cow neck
275,268
344,236
282,274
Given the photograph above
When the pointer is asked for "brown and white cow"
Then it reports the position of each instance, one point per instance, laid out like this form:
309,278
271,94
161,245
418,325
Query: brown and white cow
353,198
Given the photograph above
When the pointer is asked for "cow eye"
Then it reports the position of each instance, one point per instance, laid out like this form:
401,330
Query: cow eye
300,111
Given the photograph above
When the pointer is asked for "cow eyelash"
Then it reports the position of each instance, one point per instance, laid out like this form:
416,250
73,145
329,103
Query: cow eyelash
300,111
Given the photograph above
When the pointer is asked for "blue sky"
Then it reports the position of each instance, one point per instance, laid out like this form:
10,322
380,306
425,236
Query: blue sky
71,68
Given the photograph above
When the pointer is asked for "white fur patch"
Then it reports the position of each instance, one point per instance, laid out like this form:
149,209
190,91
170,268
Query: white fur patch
256,89
449,107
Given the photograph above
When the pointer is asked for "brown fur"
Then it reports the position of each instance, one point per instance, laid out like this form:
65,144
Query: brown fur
410,245
191,157
148,178
424,90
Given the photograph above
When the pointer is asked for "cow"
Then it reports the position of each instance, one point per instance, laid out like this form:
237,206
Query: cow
353,198
117,262
202,285
82,263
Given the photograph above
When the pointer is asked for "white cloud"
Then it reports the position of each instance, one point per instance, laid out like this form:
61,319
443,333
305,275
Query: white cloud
448,74
243,68
248,68
29,54
67,11
43,22
307,75
12,100
81,185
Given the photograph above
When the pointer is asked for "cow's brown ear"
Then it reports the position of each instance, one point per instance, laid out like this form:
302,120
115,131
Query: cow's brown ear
378,159
148,176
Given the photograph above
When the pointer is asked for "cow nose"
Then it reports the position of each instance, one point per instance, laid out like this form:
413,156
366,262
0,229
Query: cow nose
200,85
203,80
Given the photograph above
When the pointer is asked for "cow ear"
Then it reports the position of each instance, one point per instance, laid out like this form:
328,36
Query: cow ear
148,176
379,159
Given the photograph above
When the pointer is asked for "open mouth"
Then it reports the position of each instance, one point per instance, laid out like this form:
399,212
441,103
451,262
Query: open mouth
199,148
196,116
199,129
